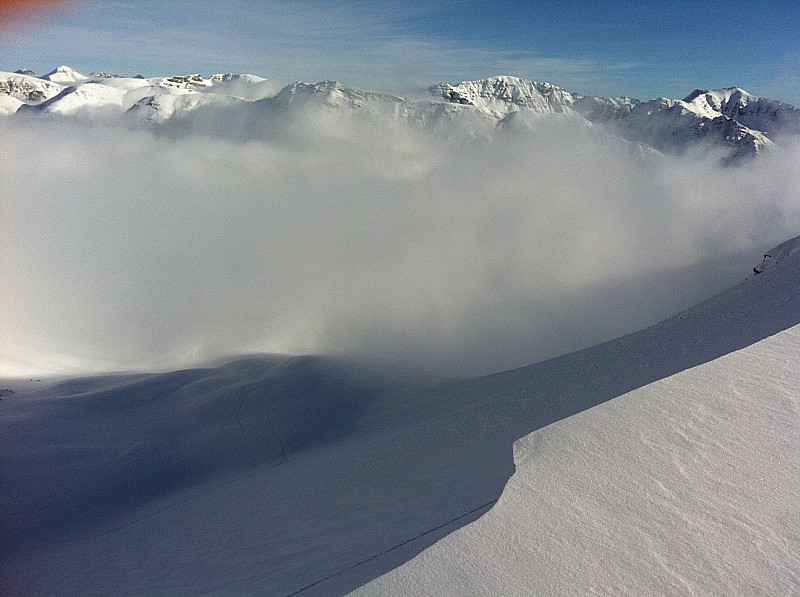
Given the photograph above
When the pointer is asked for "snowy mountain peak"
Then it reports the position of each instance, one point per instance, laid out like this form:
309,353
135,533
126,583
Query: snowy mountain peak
224,77
729,118
64,75
505,94
26,88
331,94
718,96
761,114
722,118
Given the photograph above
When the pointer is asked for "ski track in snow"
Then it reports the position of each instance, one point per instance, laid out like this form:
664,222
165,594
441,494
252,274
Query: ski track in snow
280,449
394,547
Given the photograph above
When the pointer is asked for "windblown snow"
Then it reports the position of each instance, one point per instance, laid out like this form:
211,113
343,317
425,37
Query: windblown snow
687,486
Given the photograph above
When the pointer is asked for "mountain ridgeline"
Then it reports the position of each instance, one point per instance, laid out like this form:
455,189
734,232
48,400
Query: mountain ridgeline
731,120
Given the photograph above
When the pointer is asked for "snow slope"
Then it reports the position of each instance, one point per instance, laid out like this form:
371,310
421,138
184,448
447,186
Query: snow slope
159,108
727,118
309,476
89,98
65,75
9,105
502,95
762,114
673,126
26,88
687,486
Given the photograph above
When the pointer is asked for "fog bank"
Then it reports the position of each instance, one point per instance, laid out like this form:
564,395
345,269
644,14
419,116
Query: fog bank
123,249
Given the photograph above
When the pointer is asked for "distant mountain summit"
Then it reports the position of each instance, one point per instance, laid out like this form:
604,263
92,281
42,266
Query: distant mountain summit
730,119
27,88
64,75
504,94
758,113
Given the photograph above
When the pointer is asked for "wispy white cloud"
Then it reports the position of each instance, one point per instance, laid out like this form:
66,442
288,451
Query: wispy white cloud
362,43
396,45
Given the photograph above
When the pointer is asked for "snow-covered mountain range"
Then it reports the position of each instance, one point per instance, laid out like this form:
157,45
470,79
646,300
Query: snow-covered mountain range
729,118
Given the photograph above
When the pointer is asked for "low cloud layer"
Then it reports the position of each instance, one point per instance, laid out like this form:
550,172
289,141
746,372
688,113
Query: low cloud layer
122,249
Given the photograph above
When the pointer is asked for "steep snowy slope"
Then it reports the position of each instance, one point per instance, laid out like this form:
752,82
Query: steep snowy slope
157,109
26,88
65,75
674,126
89,98
729,119
287,476
758,113
9,105
687,486
502,95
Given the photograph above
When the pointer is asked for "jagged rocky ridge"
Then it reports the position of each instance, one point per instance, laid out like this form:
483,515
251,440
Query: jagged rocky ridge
731,118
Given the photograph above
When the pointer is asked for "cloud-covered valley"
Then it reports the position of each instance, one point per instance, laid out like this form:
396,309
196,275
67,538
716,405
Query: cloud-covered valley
126,248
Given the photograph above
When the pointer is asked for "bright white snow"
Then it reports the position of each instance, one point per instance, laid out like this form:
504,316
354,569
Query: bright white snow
65,75
729,118
285,476
9,105
687,486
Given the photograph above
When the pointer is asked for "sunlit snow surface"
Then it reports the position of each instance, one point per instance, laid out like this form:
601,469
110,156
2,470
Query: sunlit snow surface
282,476
687,486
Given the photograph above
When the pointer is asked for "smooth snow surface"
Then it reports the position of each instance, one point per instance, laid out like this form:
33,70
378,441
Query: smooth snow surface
89,97
687,486
64,75
9,105
307,476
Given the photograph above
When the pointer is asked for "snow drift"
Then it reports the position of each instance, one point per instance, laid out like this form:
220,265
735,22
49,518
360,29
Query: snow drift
686,486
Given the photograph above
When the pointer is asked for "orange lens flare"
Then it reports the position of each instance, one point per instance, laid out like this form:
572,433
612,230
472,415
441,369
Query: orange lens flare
12,10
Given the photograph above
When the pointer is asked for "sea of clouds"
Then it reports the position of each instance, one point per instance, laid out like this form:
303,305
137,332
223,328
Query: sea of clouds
130,248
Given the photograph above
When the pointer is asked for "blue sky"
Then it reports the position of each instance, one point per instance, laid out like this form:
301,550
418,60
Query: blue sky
641,49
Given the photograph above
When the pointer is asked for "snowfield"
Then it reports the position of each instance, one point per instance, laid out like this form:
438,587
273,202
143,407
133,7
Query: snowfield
285,476
687,486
